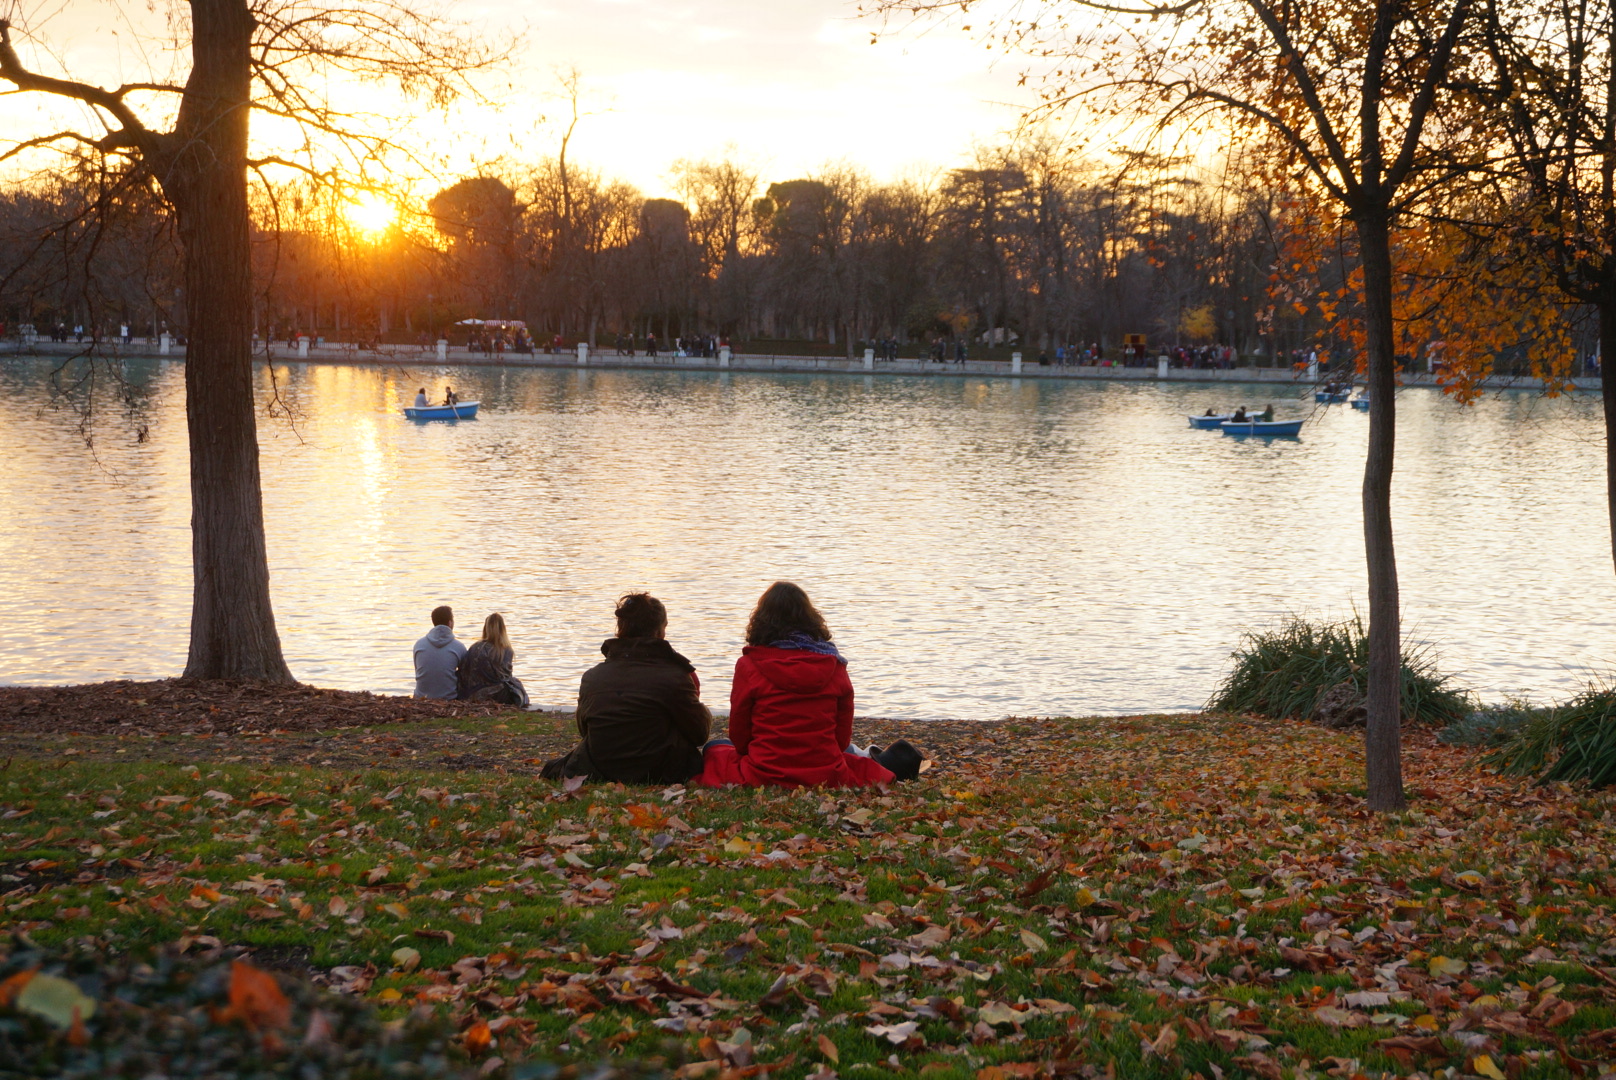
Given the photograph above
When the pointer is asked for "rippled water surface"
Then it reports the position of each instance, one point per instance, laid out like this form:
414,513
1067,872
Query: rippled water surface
980,547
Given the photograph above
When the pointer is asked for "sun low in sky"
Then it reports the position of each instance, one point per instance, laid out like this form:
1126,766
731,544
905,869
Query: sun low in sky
370,213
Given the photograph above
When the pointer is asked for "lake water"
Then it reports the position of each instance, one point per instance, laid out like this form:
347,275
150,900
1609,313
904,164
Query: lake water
980,547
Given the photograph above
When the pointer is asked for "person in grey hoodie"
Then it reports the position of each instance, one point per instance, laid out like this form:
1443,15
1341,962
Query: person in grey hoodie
437,656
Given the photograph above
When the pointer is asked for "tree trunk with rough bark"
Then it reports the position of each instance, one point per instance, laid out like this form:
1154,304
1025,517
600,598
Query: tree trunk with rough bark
1383,733
233,632
1607,351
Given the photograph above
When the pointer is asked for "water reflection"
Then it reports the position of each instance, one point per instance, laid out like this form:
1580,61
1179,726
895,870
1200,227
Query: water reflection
981,546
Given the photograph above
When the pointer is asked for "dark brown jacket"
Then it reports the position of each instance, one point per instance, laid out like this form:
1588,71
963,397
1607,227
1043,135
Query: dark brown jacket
640,716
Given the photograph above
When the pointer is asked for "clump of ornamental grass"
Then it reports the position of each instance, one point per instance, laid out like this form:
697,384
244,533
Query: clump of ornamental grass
1492,725
1285,673
1574,741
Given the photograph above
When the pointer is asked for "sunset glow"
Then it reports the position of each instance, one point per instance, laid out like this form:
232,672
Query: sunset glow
657,85
371,213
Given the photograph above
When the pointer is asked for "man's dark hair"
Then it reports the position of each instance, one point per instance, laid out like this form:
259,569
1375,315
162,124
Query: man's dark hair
443,615
782,610
639,614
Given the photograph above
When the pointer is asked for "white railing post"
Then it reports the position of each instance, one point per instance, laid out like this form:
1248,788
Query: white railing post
1015,363
302,347
583,352
443,348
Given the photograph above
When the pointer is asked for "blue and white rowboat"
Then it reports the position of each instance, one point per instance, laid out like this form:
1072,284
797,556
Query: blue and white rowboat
464,410
1361,404
1326,397
1262,427
1208,423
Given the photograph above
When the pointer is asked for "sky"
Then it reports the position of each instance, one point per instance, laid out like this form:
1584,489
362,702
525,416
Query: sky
790,84
786,85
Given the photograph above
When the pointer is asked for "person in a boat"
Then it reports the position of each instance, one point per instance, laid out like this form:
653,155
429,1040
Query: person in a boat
791,708
1209,412
1240,416
1267,414
450,397
640,714
485,670
420,399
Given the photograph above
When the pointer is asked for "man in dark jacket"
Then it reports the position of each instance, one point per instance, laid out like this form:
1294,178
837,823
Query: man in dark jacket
639,711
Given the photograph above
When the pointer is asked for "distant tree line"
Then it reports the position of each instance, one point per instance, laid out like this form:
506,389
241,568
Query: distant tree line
1025,243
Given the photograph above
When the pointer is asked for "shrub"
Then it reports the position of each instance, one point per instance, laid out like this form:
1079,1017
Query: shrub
1494,725
181,1018
1574,741
1285,672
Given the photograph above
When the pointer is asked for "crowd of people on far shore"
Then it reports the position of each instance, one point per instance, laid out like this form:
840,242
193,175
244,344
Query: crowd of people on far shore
640,716
702,345
496,340
61,333
942,350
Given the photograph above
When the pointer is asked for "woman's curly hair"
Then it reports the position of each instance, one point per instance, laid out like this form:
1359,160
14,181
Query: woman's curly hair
782,610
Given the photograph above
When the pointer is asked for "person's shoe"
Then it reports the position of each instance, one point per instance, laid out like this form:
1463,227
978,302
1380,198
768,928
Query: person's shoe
901,759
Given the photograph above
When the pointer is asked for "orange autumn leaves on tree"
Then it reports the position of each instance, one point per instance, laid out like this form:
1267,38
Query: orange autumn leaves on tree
1463,299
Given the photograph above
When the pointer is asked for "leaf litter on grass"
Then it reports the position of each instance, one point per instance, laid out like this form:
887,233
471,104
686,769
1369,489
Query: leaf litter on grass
1150,896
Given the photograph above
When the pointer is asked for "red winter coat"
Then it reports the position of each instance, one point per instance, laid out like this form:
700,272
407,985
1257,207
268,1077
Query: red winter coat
791,718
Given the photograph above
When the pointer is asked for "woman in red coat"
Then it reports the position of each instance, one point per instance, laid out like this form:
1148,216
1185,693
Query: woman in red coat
791,707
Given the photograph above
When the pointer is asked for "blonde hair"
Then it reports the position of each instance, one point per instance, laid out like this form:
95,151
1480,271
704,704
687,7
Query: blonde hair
494,631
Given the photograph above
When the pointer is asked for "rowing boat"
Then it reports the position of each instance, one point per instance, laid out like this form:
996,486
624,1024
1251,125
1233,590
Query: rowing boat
1262,427
463,410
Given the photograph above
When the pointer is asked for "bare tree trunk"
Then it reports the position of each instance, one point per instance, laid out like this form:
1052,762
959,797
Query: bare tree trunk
232,625
1383,734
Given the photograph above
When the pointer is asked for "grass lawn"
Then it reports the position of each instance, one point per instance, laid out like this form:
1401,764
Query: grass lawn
1155,896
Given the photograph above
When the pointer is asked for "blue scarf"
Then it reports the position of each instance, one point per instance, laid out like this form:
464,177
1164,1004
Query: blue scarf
799,640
